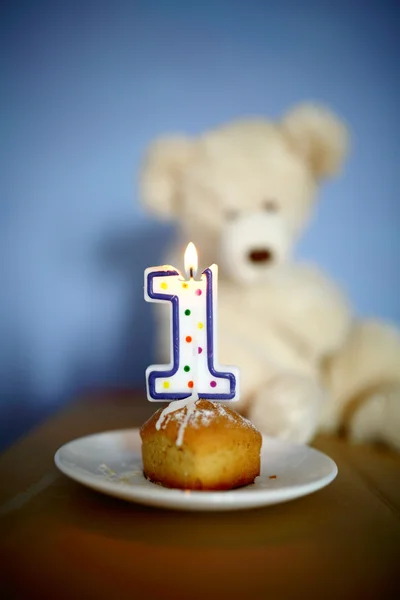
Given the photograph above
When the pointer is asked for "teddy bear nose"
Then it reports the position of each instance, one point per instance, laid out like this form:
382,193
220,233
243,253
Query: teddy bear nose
260,255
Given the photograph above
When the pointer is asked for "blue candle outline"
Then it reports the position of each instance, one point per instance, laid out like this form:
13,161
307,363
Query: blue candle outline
174,299
210,345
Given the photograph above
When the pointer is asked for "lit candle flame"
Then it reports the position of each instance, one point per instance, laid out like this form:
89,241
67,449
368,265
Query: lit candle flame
190,260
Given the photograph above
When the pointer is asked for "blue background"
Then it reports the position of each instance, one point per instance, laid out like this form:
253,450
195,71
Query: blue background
86,85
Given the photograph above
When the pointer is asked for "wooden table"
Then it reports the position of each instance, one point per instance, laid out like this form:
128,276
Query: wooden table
60,540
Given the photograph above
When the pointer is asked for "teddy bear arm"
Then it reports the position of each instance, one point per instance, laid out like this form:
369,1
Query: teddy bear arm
288,407
317,315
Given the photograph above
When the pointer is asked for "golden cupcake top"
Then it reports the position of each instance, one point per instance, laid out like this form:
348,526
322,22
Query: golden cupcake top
212,422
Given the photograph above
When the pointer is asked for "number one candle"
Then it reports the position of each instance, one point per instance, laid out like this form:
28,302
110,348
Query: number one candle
193,371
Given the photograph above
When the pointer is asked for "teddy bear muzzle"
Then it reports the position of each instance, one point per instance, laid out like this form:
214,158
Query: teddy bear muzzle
260,255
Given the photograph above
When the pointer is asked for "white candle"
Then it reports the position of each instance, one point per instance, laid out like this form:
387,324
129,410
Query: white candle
193,370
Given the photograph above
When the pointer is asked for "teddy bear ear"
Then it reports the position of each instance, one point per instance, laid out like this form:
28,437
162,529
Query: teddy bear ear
163,164
319,136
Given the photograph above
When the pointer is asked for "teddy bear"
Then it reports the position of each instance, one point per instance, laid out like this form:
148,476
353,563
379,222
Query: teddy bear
243,193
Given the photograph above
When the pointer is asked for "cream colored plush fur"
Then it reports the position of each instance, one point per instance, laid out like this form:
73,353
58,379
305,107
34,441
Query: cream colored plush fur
243,193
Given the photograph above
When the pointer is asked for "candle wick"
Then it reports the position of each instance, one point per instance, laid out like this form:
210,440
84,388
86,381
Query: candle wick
191,273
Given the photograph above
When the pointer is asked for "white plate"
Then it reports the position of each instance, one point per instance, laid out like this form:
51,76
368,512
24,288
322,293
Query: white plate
111,463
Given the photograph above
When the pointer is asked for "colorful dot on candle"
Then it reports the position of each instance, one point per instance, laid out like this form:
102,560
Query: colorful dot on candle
164,285
186,368
200,350
213,383
166,384
198,292
188,339
200,325
187,312
190,384
184,285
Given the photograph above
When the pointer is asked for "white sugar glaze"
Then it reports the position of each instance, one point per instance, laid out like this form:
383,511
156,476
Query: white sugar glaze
196,418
